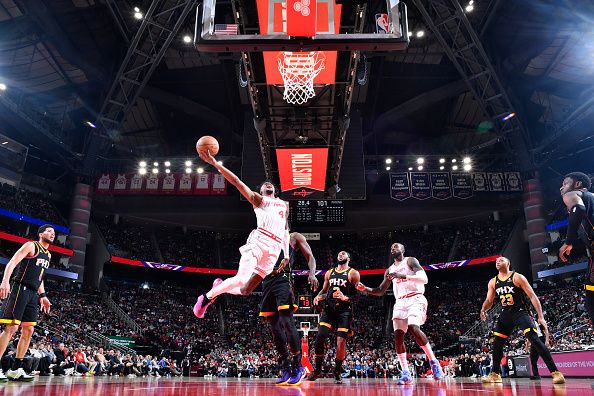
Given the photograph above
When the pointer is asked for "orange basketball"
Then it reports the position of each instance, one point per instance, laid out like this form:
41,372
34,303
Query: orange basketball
207,143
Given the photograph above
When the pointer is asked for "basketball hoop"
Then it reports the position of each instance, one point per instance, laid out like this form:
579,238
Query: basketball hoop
305,329
299,69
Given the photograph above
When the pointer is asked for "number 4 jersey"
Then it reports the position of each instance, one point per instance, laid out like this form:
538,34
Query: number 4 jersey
512,297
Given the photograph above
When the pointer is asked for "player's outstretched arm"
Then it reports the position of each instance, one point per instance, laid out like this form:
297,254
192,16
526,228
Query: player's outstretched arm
488,303
253,197
305,249
376,291
28,249
521,281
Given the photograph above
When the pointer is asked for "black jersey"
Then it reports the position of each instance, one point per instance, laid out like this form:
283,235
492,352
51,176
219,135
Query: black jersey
588,226
512,297
31,270
339,280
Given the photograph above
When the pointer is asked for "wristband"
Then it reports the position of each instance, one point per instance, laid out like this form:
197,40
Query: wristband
41,295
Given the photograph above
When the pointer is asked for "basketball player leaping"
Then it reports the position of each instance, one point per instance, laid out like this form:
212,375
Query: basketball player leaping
512,290
263,246
410,310
25,294
277,307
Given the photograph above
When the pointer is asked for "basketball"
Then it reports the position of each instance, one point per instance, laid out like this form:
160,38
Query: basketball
206,143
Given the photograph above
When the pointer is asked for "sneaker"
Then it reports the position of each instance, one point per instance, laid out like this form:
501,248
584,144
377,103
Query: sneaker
201,305
297,377
405,378
2,376
19,375
77,374
70,371
492,378
535,377
286,375
436,368
337,378
314,375
558,377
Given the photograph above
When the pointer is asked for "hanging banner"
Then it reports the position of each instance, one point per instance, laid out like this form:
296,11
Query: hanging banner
152,184
202,186
103,184
399,186
420,185
219,186
441,186
462,185
479,181
168,184
121,184
302,168
136,184
496,181
513,181
185,184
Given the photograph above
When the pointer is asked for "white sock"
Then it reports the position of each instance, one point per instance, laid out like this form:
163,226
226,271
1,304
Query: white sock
428,351
403,361
230,285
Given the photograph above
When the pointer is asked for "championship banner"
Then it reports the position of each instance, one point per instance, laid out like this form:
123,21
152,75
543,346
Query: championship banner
202,186
399,186
103,184
184,186
152,184
420,185
496,181
121,184
168,184
462,185
441,186
136,184
302,170
479,181
513,181
219,185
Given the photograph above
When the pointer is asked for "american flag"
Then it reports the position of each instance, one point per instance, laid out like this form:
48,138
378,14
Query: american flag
225,29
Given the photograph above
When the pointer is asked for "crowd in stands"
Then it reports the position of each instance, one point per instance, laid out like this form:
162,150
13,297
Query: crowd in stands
29,203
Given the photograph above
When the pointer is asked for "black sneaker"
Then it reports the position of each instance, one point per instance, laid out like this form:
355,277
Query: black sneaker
314,375
535,377
337,378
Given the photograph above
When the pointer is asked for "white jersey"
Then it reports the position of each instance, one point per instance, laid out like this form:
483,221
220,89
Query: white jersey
404,287
271,218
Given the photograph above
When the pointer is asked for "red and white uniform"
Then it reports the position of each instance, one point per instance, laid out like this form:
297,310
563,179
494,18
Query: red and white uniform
263,246
411,305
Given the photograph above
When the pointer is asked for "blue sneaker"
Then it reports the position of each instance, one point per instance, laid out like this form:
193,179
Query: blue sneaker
436,368
297,377
405,378
284,378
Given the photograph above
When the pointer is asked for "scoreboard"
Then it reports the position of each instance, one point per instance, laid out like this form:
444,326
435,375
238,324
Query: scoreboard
317,212
305,302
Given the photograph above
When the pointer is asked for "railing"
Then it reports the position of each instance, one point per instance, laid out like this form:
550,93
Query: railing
479,329
120,312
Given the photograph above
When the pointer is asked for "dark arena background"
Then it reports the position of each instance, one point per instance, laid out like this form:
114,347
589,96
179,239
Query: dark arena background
447,126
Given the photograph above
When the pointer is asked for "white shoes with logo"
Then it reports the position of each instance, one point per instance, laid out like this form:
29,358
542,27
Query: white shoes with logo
2,376
19,375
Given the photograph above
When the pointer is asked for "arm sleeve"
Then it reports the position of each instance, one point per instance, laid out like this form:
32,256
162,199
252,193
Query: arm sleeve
576,215
418,277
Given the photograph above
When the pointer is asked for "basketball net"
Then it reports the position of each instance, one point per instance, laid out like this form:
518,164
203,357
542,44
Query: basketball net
299,69
305,350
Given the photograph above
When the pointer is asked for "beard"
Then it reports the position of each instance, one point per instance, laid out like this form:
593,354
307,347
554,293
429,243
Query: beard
46,240
397,256
342,262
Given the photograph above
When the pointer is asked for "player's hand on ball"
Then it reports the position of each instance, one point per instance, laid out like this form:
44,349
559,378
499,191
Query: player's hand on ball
207,157
45,304
4,290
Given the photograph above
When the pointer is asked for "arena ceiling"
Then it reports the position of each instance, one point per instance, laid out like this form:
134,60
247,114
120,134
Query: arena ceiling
59,59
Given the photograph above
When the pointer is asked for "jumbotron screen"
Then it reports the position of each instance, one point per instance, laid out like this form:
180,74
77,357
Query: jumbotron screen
317,212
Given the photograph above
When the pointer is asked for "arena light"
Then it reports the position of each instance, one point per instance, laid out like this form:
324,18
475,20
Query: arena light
188,163
200,170
155,163
442,160
509,116
420,33
420,167
188,170
455,167
410,34
420,160
388,161
90,124
466,160
410,168
167,163
388,168
441,167
4,143
3,87
136,9
145,286
467,167
469,8
454,160
138,15
142,164
155,171
142,171
168,171
187,39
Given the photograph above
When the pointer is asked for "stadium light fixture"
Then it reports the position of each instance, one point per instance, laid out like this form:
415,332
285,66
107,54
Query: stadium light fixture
509,116
442,160
3,87
167,171
466,160
5,142
469,8
136,9
187,39
455,167
142,171
155,163
200,170
441,167
167,163
420,33
388,161
410,168
188,163
410,34
454,160
90,124
388,168
138,15
145,286
420,160
420,167
188,170
467,167
142,164
155,171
